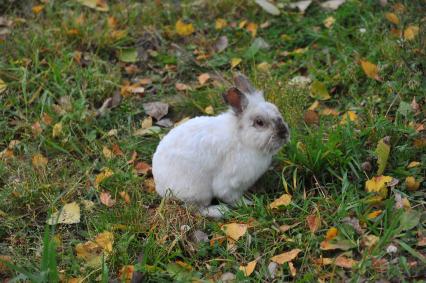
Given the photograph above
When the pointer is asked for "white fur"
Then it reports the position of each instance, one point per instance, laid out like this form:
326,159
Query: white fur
214,157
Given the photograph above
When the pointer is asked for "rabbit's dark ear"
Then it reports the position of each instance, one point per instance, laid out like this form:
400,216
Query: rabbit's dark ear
243,84
236,99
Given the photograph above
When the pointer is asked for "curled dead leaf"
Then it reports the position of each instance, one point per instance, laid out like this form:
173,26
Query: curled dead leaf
314,222
286,257
234,231
249,268
283,200
39,161
106,199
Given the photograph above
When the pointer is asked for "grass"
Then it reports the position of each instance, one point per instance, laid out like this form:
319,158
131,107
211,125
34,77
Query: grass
323,166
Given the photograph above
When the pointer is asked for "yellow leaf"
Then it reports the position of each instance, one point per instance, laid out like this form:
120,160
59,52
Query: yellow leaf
107,152
341,261
249,268
220,23
376,184
411,183
314,105
353,117
125,196
185,265
252,28
319,91
126,273
147,123
235,62
369,240
234,231
411,32
334,245
57,130
99,5
263,67
413,164
106,173
3,86
91,251
184,29
242,24
286,257
329,22
39,160
105,198
75,280
374,214
391,17
283,200
370,70
331,233
69,214
209,110
37,9
293,270
329,112
105,241
314,222
203,78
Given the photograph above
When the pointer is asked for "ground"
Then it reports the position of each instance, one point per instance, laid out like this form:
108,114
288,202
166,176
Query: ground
76,140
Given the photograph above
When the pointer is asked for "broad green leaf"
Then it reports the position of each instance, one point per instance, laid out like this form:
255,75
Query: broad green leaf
404,108
128,55
409,219
382,152
268,7
319,91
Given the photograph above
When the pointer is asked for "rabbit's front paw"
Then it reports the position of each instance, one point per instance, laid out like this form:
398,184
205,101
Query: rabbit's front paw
214,211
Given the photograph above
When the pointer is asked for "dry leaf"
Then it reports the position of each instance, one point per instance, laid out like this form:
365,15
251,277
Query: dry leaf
125,196
105,174
411,32
3,86
374,214
263,67
252,28
235,62
109,103
391,17
107,152
412,184
249,268
133,158
329,111
220,24
181,86
341,261
314,222
283,200
293,270
69,214
203,78
331,233
184,29
354,222
369,241
36,129
301,5
91,251
57,130
39,160
286,257
351,115
126,273
314,105
142,168
209,110
234,231
413,164
105,198
334,245
329,22
156,110
117,150
332,4
221,44
377,184
99,5
370,70
37,9
147,123
311,117
149,185
285,228
268,7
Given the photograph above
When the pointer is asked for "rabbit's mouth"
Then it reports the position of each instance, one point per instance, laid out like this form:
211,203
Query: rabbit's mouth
276,141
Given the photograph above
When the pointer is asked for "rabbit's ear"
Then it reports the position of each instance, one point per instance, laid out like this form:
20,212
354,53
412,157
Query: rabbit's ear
236,99
243,84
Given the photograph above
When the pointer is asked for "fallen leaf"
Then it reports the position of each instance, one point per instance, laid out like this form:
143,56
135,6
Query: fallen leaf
354,222
117,150
109,103
340,261
3,86
156,110
105,174
69,214
181,86
92,251
382,152
209,110
128,55
369,241
413,164
286,257
399,8
314,105
149,185
39,160
125,196
37,9
378,184
252,28
422,241
391,17
293,270
105,198
329,112
57,130
329,245
319,91
203,78
221,44
311,117
329,22
182,121
409,219
249,268
263,67
283,200
107,152
147,132
314,222
220,24
99,5
268,7
165,122
184,29
234,231
301,5
331,233
411,183
374,214
133,158
146,123
370,70
332,4
126,273
285,228
36,129
142,168
351,115
411,32
235,62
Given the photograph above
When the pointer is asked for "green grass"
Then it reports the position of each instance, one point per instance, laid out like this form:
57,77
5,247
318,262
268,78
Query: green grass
322,166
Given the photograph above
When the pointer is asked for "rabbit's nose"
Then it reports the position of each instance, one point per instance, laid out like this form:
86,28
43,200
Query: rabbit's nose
283,130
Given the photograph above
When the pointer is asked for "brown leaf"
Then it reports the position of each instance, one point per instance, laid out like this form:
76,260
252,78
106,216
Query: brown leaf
391,17
293,270
286,257
126,273
117,150
182,87
341,261
314,222
411,32
156,110
203,78
311,117
3,267
142,168
106,199
39,160
109,103
285,228
107,152
36,129
234,231
354,222
283,200
133,158
249,268
149,185
37,9
47,120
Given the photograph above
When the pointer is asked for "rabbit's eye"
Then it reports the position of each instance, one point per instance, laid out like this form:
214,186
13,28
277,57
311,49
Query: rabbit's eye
259,122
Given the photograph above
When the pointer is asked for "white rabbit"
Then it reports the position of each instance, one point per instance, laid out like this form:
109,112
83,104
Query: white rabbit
220,157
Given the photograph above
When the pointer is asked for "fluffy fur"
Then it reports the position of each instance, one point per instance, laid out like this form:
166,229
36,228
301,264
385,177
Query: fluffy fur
222,156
